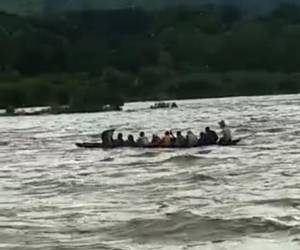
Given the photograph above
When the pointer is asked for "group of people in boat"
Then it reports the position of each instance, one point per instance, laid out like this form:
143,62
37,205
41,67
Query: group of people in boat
209,137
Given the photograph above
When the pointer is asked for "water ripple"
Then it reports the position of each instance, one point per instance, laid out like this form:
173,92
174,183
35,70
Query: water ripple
56,196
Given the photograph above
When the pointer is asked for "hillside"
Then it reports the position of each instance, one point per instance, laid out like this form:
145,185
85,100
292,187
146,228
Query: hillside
89,58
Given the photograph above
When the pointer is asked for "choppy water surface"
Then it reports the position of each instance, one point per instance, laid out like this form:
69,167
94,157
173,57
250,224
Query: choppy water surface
56,196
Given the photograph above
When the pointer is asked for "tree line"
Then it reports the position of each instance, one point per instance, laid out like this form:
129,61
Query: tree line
90,58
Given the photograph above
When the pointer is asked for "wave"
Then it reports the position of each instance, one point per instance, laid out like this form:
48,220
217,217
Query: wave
4,143
189,158
202,177
173,159
54,187
204,152
184,225
274,130
183,158
179,177
146,155
260,120
284,202
295,133
243,130
260,149
108,159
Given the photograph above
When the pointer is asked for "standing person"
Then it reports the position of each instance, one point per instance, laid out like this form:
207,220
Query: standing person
211,136
191,139
180,140
143,140
226,138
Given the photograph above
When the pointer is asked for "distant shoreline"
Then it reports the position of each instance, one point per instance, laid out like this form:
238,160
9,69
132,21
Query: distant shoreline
72,91
41,111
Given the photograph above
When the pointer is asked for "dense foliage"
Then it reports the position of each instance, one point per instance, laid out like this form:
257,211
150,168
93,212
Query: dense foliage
91,58
55,6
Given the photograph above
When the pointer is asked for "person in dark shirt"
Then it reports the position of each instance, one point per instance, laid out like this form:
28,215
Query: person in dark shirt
130,141
211,136
173,138
120,141
107,138
155,140
202,140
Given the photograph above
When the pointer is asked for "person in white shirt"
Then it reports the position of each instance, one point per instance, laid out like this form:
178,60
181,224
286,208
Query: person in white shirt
226,134
191,139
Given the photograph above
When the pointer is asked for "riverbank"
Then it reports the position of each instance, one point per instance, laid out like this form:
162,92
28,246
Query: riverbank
88,93
57,110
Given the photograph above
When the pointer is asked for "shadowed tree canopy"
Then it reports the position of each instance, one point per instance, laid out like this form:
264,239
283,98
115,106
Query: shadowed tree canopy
91,58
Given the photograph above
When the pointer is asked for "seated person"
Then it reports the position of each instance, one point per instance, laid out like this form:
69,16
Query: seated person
130,141
142,140
155,141
202,140
107,138
191,139
211,136
120,141
173,138
166,140
180,140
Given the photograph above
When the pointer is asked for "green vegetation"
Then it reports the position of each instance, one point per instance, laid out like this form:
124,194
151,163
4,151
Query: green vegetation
92,58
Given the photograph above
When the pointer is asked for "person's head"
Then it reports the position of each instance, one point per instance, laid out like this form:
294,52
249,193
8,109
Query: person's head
222,124
178,133
202,134
120,136
189,132
207,129
142,134
130,138
156,137
167,133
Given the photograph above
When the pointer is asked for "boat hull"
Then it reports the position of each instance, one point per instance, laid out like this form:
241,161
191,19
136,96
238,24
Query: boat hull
100,145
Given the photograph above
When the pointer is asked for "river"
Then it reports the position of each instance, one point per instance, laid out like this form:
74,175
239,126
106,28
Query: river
56,196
